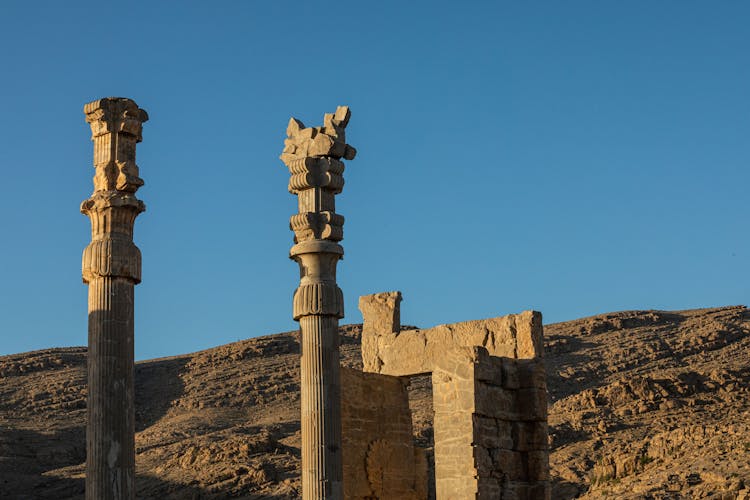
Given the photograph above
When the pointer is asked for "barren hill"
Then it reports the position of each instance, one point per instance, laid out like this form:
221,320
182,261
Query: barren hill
644,404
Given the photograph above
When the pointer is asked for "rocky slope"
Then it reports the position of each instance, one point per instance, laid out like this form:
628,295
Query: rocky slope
644,404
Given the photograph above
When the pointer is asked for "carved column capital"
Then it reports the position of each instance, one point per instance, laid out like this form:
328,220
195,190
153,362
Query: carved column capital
314,157
318,294
116,128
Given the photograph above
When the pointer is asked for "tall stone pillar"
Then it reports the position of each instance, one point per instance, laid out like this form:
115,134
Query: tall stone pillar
314,156
111,268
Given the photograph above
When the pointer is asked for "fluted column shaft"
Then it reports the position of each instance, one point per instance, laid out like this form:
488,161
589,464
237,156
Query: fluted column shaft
111,268
318,305
313,156
110,439
321,408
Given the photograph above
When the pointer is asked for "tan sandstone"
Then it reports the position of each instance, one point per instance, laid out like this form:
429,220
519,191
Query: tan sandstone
489,396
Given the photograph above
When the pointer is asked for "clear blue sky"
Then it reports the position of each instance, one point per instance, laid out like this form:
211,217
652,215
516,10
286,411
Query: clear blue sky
571,157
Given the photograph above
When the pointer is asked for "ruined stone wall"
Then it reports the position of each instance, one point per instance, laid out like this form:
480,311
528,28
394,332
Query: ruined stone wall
490,426
489,396
380,460
389,350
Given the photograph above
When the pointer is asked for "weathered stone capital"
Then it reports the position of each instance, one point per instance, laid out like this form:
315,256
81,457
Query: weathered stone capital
111,258
116,127
328,140
318,299
314,158
318,293
309,226
312,172
112,252
102,200
111,115
112,212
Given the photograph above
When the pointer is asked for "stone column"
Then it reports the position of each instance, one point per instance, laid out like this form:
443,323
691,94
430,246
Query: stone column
111,268
313,156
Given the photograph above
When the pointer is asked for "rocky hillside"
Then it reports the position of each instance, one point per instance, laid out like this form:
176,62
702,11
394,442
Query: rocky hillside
644,404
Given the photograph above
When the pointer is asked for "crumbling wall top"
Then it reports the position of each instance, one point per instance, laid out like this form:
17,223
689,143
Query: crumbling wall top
389,350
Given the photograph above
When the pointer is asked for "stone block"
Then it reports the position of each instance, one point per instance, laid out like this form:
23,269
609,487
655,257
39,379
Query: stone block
496,402
455,487
505,434
489,369
483,461
529,335
404,355
509,463
511,378
485,432
532,404
381,313
499,335
453,427
381,316
537,465
531,373
455,395
529,436
488,488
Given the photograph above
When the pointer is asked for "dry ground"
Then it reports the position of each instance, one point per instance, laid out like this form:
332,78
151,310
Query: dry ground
644,405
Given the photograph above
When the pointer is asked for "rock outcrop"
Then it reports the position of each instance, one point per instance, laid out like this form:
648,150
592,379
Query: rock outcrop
643,404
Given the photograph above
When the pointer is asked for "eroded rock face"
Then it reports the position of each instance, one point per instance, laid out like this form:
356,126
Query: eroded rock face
225,422
651,404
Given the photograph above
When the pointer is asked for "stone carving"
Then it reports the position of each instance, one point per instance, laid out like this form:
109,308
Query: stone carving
381,460
111,267
489,396
116,127
313,156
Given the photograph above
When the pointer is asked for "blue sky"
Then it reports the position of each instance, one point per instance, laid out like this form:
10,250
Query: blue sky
571,157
